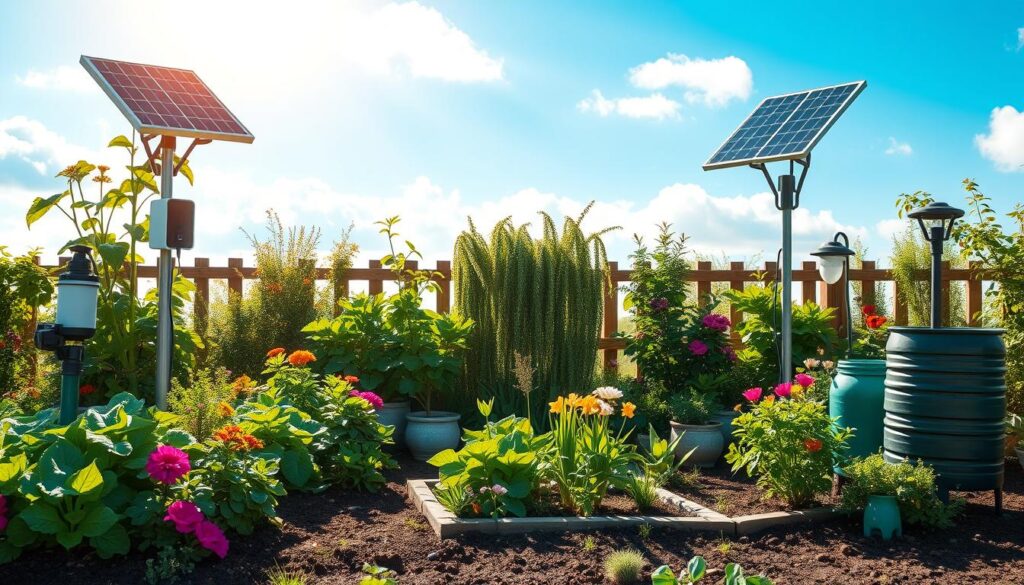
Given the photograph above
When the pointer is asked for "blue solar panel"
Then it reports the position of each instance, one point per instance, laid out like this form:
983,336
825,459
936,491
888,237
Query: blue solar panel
785,127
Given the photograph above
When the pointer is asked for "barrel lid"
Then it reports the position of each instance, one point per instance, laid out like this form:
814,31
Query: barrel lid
947,330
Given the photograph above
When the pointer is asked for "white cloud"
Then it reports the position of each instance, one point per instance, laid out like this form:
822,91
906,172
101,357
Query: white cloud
1020,38
654,106
897,148
1004,144
32,142
713,82
63,78
418,38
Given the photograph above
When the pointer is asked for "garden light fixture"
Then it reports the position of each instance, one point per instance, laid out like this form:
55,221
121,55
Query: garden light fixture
77,290
834,264
940,218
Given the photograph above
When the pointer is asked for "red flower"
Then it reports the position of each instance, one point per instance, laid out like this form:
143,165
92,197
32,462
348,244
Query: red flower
275,352
352,380
875,321
868,310
86,389
812,445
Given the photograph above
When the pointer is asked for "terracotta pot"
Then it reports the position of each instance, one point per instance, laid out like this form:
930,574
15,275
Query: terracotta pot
705,440
427,434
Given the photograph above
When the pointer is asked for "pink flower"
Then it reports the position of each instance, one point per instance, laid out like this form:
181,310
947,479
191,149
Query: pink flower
729,352
374,400
166,464
185,515
212,538
697,347
753,394
784,390
716,322
804,380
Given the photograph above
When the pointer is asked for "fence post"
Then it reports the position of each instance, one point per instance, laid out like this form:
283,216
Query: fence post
809,284
201,305
739,271
376,285
899,300
703,286
975,296
235,280
444,293
611,320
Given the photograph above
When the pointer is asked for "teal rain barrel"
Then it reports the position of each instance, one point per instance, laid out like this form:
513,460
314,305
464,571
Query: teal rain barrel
858,390
945,403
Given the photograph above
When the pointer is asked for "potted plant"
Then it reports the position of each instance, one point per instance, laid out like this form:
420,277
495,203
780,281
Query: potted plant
696,433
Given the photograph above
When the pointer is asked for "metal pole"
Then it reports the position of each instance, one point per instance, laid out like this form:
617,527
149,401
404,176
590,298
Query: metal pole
786,367
849,311
937,237
165,282
71,371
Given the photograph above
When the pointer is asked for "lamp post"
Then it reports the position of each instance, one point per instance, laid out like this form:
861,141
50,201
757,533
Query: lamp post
833,264
77,289
941,218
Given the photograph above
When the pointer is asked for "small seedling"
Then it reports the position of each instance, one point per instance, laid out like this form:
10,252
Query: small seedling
623,567
644,530
279,576
589,544
415,524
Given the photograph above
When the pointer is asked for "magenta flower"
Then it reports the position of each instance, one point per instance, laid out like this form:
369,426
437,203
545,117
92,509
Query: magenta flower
166,464
660,304
729,352
784,390
804,380
185,515
374,400
716,322
753,394
212,538
697,347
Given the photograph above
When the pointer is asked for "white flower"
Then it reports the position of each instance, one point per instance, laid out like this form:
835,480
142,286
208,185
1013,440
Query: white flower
606,409
484,490
607,393
811,363
499,490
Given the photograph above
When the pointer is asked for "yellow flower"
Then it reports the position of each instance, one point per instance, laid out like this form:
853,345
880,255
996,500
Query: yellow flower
770,399
796,390
628,408
590,404
225,409
573,400
558,406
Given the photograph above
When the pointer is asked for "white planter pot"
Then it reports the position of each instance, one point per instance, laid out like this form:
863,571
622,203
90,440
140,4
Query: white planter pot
1020,455
427,435
393,414
725,418
707,439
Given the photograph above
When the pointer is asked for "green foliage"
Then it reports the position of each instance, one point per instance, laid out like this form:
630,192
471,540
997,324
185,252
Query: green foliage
695,408
790,446
912,484
280,303
813,335
397,348
279,576
495,473
538,297
24,286
122,354
199,404
171,562
378,575
696,570
911,261
642,488
623,567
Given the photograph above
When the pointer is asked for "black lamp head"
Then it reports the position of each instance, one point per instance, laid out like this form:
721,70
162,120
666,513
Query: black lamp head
833,258
940,212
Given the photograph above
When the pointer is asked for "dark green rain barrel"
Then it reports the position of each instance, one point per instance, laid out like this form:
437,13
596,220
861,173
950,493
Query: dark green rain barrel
858,390
945,403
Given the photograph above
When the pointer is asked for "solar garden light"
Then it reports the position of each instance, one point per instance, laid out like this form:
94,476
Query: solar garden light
937,231
77,289
833,264
785,128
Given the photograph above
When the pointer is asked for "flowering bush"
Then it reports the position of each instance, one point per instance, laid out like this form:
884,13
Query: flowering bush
912,484
788,443
869,342
198,404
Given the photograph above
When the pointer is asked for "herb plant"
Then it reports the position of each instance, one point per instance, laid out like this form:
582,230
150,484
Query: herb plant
913,484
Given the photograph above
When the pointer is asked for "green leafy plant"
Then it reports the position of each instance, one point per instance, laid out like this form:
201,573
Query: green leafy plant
122,354
696,570
912,484
378,575
642,489
624,567
789,445
694,408
24,286
279,576
203,404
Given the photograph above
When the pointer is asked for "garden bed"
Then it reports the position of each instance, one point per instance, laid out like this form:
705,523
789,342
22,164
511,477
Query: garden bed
330,535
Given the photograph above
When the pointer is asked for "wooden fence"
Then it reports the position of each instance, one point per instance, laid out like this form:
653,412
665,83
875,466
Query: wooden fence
808,286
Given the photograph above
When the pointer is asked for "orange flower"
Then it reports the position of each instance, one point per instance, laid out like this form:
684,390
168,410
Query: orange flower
770,399
236,440
558,405
352,380
812,445
224,409
590,404
242,385
275,352
252,442
628,408
301,357
573,400
275,288
34,393
307,281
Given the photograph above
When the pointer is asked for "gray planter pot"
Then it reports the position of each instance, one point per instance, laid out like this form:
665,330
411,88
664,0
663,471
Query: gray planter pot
705,440
393,414
427,435
725,418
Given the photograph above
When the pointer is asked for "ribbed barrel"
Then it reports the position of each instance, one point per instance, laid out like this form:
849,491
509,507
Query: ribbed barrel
945,403
858,390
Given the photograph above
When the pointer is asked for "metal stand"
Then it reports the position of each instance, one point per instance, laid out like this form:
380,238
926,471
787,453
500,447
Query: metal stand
71,357
937,241
787,198
165,283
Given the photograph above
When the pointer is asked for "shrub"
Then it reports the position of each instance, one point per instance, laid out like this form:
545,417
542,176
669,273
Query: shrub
789,445
24,286
912,484
696,569
623,567
538,297
911,255
694,408
203,404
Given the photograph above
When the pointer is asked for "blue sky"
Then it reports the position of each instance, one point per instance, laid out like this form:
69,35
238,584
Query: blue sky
438,110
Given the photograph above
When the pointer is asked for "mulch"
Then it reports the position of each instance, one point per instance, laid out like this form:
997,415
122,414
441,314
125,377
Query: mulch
329,536
732,494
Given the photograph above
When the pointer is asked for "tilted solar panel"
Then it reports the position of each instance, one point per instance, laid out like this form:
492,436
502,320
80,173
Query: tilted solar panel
165,100
785,127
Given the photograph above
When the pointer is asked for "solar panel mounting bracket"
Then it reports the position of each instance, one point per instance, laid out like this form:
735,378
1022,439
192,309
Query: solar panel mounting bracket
152,156
785,199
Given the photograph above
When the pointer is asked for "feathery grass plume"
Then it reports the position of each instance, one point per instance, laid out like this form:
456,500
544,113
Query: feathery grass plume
624,567
541,298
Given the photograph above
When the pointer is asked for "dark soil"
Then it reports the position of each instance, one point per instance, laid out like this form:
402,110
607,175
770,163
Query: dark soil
732,494
330,536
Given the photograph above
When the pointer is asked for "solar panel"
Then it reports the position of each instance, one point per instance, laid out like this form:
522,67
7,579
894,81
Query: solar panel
165,100
785,127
